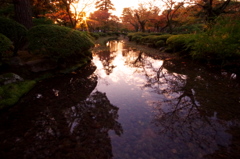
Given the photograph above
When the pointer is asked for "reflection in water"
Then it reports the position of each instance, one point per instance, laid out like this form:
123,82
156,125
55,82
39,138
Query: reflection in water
130,106
170,109
68,121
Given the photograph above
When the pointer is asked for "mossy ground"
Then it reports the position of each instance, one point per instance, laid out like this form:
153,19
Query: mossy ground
11,93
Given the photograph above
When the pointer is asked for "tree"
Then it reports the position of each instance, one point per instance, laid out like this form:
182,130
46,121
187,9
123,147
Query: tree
67,6
146,14
69,12
114,23
212,9
104,5
6,8
154,20
171,9
129,17
99,19
42,7
23,12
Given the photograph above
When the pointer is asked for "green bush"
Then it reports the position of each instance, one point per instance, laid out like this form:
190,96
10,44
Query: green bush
163,37
42,21
95,35
7,10
160,43
153,39
187,29
5,45
136,36
220,42
102,34
181,42
14,31
147,39
58,42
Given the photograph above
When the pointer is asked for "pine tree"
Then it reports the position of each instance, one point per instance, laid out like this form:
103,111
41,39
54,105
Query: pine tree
104,5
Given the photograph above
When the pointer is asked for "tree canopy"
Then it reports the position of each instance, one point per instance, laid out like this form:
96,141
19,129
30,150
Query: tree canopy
104,5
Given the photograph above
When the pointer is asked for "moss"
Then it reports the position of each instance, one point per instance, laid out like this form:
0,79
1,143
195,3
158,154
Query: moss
11,93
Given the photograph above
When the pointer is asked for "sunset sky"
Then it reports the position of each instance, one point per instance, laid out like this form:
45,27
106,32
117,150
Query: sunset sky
120,4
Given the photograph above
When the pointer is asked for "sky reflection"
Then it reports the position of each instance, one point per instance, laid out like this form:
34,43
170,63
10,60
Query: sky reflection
160,110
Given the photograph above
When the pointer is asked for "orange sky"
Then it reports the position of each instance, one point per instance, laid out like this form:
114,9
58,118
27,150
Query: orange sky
120,4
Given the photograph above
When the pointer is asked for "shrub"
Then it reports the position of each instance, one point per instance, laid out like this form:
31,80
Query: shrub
42,21
220,42
187,29
14,31
5,45
102,34
181,42
95,35
58,42
136,36
153,39
163,37
160,43
148,39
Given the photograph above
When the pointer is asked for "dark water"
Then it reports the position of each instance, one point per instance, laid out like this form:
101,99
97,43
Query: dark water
127,106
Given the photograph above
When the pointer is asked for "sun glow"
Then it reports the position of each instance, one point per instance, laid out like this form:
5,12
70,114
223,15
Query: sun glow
84,18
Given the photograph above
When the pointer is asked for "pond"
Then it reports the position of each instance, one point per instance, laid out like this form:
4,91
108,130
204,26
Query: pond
127,105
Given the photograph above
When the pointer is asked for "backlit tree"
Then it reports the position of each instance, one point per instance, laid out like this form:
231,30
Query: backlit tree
104,5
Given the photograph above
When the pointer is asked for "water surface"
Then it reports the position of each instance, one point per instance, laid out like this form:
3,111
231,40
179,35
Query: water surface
127,105
168,109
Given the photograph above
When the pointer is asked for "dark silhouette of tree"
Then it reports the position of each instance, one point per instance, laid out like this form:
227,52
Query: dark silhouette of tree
23,12
104,5
42,7
212,11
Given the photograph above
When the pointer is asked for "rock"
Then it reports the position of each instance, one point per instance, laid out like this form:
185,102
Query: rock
9,78
41,65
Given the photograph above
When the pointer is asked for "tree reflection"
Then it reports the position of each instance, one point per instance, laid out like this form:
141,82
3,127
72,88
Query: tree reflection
195,105
106,56
72,124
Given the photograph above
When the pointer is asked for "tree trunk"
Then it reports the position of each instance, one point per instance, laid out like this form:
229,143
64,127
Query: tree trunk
142,24
23,12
